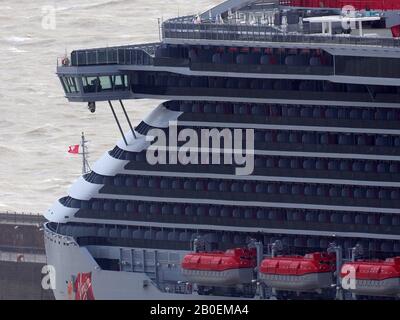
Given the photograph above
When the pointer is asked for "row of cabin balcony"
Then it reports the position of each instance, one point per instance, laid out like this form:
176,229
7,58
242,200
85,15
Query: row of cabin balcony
275,60
309,137
286,111
245,55
336,167
168,84
134,208
193,187
378,143
169,238
268,218
174,80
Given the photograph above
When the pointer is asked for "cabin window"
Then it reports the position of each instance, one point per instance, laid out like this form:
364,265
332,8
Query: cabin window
367,66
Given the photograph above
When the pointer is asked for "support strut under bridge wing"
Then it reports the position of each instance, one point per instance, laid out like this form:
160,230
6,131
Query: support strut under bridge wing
127,118
119,124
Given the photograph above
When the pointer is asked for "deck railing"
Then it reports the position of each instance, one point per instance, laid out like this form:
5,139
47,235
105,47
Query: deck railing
21,218
185,29
22,256
133,54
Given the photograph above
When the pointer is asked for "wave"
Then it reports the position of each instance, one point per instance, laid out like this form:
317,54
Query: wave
6,123
7,150
53,180
46,129
16,50
16,39
89,6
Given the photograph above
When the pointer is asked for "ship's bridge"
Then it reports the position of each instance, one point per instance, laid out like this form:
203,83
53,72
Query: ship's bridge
241,44
96,75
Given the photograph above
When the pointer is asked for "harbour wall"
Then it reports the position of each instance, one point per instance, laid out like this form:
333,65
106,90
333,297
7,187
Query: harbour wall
22,257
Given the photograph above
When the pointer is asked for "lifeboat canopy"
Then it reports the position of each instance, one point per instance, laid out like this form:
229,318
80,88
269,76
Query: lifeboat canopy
312,272
372,277
230,268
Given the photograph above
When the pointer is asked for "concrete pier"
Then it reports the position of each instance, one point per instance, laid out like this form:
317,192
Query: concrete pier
22,257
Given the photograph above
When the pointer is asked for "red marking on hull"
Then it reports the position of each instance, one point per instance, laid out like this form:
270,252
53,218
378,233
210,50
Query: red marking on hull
83,287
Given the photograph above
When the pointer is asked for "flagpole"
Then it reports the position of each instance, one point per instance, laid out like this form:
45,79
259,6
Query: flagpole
83,154
85,164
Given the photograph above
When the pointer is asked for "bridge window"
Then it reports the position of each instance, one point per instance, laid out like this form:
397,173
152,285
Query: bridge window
91,84
120,82
104,83
70,84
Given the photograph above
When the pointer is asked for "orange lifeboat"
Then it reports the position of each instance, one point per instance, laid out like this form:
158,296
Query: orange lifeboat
229,268
375,278
312,272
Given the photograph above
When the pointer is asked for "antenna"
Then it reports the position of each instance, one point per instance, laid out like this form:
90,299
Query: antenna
85,164
159,29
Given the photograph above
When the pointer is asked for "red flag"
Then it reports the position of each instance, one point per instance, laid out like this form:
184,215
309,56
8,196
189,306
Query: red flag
74,149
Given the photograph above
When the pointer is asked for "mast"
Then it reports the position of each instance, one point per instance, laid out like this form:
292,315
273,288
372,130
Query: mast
85,164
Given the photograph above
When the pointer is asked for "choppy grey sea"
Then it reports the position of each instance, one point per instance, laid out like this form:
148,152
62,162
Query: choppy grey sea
37,124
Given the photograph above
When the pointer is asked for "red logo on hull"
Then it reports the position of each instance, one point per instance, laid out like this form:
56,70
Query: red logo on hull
83,287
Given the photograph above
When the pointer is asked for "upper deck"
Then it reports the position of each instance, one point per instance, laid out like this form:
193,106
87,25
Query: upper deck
184,29
258,23
276,22
247,40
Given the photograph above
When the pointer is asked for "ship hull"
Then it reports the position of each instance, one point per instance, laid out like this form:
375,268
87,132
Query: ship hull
70,260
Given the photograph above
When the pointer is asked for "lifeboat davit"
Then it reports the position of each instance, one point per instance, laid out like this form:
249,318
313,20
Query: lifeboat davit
229,268
312,272
375,278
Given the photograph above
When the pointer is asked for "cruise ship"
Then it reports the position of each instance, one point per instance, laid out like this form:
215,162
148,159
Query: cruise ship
303,204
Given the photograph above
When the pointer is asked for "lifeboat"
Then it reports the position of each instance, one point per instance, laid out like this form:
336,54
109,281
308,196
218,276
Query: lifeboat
375,278
312,272
229,268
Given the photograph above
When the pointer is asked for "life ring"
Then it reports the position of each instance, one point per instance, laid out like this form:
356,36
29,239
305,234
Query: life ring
20,258
65,61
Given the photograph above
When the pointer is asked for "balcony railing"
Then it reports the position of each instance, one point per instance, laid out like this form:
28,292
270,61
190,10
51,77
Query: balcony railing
133,54
184,29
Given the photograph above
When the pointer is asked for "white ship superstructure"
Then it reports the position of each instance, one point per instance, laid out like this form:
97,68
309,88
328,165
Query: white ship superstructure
323,103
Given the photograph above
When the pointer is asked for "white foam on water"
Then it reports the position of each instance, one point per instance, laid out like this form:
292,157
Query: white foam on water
16,39
16,50
88,6
37,123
